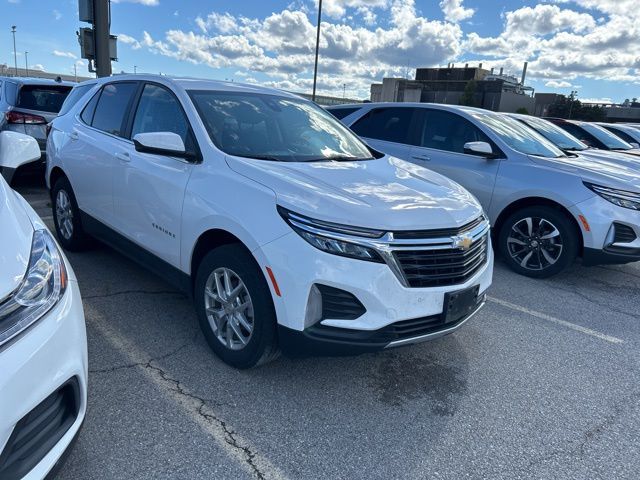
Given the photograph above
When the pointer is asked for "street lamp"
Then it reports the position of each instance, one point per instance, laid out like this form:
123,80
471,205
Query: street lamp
15,53
572,97
26,63
315,68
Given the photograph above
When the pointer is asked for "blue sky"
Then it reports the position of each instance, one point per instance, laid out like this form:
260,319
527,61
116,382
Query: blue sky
592,46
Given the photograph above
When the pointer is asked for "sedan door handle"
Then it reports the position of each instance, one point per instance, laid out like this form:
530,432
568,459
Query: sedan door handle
123,157
421,156
73,136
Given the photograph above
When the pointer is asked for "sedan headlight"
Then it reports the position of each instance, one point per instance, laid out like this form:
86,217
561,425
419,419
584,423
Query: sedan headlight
41,288
333,238
622,198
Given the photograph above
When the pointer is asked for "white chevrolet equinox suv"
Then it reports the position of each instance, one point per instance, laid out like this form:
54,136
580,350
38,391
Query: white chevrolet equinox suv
287,230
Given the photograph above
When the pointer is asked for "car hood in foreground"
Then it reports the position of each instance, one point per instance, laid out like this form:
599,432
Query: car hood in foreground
15,241
605,170
386,193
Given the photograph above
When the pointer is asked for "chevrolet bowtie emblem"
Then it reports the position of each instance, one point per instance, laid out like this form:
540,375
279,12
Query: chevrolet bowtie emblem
463,242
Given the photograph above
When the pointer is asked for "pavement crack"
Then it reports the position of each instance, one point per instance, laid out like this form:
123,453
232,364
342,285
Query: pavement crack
203,410
574,289
132,292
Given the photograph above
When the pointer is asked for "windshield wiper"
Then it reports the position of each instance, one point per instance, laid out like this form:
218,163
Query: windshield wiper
259,157
341,158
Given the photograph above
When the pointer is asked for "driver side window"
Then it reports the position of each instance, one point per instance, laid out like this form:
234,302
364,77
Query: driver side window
449,132
159,111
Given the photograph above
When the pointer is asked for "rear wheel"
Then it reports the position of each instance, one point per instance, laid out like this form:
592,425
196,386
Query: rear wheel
235,308
66,217
538,242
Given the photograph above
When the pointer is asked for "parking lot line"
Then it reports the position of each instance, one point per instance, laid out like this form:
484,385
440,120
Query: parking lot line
549,318
193,406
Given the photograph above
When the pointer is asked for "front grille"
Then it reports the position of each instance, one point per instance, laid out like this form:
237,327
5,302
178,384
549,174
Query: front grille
443,232
442,267
339,305
623,233
39,431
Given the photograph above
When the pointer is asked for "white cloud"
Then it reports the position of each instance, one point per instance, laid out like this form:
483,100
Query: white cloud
38,67
557,84
129,40
544,19
596,100
454,11
338,8
58,53
57,15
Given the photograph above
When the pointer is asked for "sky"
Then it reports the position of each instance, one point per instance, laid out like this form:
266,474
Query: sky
591,46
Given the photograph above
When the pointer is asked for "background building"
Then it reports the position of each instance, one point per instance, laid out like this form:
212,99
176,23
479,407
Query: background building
473,86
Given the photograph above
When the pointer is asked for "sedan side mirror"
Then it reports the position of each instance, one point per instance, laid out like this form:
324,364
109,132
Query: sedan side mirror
161,143
479,148
16,149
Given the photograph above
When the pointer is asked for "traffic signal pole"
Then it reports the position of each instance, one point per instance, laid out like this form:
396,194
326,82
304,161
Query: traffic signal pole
101,25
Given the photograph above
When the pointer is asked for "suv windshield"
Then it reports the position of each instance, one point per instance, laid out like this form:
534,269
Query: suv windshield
606,137
44,98
554,134
517,135
271,127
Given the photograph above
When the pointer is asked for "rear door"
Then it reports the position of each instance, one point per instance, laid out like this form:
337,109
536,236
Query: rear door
442,136
389,129
94,145
149,188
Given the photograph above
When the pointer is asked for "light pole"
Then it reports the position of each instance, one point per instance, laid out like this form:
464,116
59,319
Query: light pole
315,68
572,97
75,72
26,63
15,53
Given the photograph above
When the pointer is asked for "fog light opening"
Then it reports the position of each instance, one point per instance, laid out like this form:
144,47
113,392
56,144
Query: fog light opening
314,307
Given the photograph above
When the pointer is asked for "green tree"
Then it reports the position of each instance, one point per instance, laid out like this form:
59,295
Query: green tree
468,97
522,111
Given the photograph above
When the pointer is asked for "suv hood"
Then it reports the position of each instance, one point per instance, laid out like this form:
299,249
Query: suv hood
15,241
607,170
386,193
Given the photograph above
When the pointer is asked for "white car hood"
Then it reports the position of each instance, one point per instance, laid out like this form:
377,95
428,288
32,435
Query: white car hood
387,193
15,240
606,170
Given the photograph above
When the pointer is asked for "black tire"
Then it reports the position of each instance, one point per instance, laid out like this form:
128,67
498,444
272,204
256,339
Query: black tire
262,345
78,240
568,238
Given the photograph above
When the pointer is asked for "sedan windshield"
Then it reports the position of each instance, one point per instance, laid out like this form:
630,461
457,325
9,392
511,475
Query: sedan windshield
278,128
605,136
554,134
517,135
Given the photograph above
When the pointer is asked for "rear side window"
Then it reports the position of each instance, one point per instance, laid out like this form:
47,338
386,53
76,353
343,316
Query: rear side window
623,135
391,124
112,107
447,131
76,94
10,92
340,113
89,109
43,98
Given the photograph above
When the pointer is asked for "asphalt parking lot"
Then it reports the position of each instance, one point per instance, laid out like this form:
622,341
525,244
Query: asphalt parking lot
543,383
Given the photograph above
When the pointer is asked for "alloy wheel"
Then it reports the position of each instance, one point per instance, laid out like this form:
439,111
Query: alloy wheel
535,243
229,308
64,214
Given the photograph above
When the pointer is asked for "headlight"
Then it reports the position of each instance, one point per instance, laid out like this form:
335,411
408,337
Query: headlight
41,288
622,198
329,237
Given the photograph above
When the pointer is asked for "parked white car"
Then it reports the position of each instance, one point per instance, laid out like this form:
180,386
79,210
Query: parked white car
43,345
287,230
546,207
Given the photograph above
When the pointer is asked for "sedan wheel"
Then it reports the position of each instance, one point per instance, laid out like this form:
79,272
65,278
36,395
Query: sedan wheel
535,243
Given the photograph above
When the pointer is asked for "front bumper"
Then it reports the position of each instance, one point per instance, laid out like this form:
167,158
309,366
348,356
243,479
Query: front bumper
297,267
44,372
600,243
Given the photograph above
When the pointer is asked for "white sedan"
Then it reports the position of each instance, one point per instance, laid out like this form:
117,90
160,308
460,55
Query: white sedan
43,343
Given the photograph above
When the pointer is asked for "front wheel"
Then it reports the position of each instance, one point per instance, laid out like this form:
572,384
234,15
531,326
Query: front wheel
235,308
538,242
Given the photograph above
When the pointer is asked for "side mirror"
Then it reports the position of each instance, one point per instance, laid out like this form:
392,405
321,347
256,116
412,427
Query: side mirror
16,149
161,143
635,144
479,148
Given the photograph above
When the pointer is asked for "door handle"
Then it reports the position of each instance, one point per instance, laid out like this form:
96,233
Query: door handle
123,157
421,156
73,136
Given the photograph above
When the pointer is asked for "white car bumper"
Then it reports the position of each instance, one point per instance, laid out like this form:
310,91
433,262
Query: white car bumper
298,266
613,234
49,355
